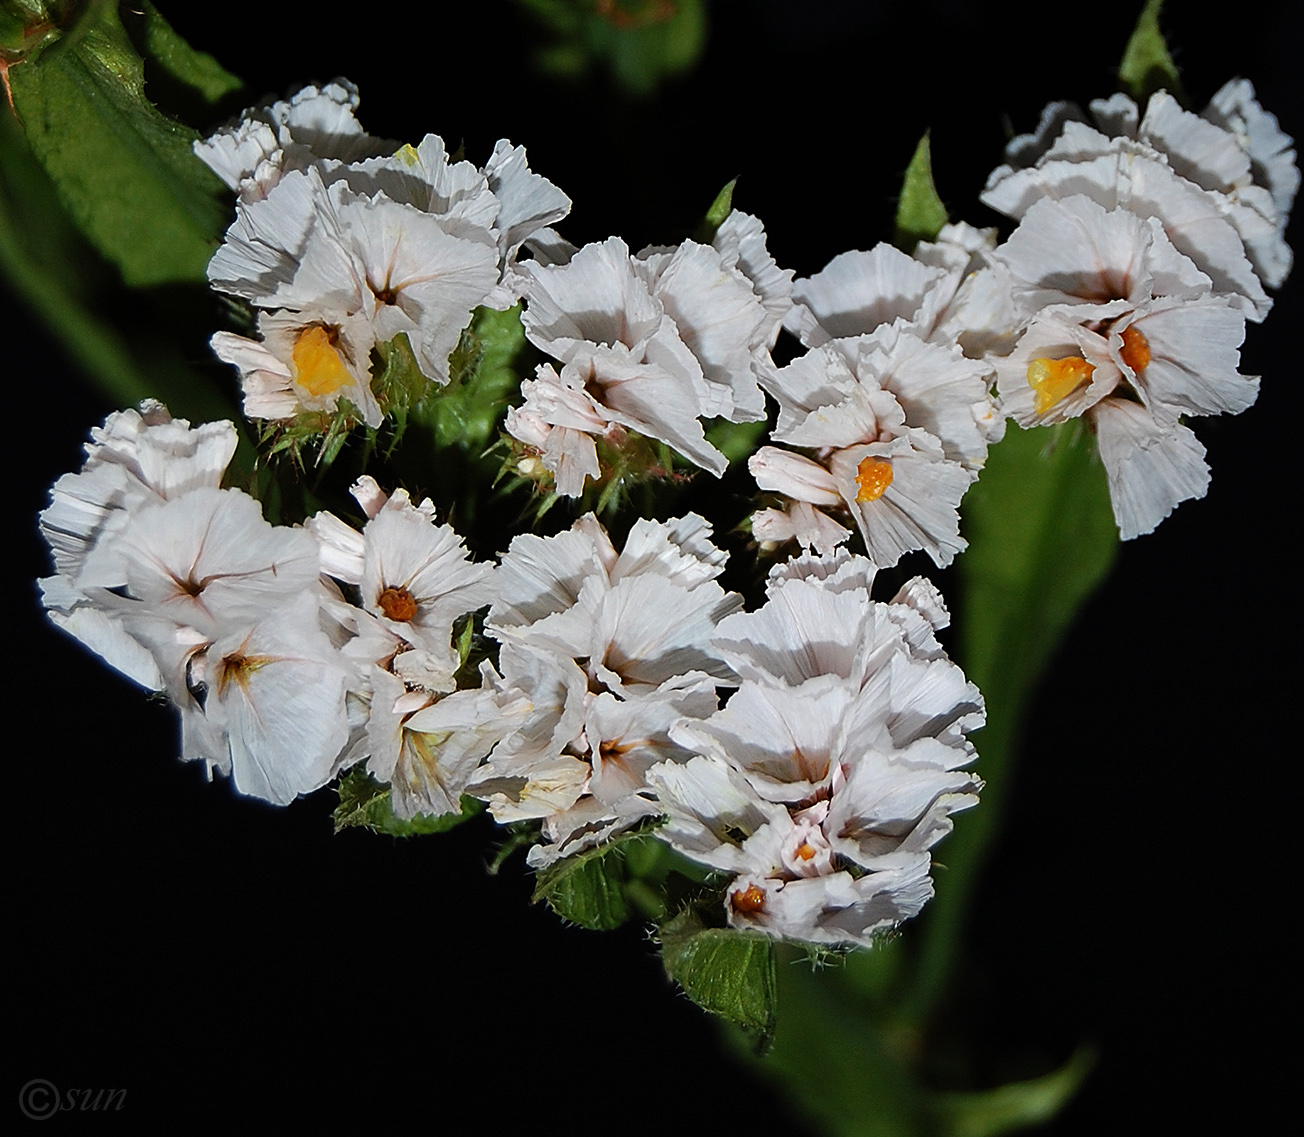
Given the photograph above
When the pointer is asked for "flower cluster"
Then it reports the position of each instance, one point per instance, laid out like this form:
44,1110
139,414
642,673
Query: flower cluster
342,242
812,750
295,652
836,765
1145,242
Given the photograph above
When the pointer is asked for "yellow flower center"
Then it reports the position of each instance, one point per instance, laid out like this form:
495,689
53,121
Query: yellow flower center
873,476
1136,349
318,368
1054,379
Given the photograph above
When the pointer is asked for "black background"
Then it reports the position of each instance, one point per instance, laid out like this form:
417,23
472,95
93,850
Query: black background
225,961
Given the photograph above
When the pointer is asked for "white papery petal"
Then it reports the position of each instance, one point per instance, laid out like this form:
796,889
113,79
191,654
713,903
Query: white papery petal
1151,467
206,559
278,693
528,201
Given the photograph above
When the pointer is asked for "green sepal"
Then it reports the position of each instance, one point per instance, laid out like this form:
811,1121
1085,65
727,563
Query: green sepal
920,213
714,217
125,172
730,973
311,438
1147,65
365,803
590,888
473,647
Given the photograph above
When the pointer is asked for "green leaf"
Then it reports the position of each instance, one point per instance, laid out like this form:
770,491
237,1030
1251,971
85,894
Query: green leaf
125,173
195,70
1042,538
39,252
1147,65
920,213
727,972
1012,1107
589,888
78,296
364,803
840,1059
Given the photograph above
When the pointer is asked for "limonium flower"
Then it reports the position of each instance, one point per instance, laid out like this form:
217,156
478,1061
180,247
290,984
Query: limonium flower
836,765
652,343
1127,332
612,650
895,429
1166,166
185,587
413,580
1145,242
343,249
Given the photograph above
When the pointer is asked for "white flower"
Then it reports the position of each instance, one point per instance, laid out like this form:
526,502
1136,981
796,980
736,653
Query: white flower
428,749
617,343
1131,174
357,241
1270,150
305,362
205,560
838,763
333,254
134,459
847,403
413,576
315,124
1120,317
276,692
611,650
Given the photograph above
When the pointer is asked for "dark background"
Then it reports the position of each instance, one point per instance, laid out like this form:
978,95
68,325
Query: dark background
226,961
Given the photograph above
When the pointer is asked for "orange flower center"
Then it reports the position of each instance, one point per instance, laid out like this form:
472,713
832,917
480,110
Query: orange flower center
1054,379
873,476
1136,349
397,604
750,899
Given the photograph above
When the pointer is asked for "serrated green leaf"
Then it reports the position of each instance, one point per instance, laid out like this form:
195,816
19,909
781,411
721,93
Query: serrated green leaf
1147,65
1013,1107
727,972
365,803
589,888
920,213
126,174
